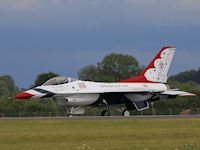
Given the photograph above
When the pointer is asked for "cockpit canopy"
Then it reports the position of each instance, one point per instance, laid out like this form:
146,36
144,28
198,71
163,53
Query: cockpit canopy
59,80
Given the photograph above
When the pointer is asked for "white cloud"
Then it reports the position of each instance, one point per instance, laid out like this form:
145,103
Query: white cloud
18,5
188,5
98,13
27,5
191,5
128,8
179,4
58,2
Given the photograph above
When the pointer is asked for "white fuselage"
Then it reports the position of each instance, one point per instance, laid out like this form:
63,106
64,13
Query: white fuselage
83,87
82,93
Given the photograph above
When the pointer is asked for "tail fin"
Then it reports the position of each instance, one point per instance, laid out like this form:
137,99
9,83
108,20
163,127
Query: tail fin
157,70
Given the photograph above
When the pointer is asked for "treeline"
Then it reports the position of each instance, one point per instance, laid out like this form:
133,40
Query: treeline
113,67
11,107
191,75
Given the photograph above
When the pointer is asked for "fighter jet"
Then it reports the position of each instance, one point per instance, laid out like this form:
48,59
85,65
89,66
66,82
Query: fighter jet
133,93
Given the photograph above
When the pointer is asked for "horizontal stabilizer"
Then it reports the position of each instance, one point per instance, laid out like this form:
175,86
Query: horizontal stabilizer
178,93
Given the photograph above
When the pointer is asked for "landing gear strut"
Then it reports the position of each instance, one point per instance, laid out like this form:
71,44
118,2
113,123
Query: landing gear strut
76,111
107,111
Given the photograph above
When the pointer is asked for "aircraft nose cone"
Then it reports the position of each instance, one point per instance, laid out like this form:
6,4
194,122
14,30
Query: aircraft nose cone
23,95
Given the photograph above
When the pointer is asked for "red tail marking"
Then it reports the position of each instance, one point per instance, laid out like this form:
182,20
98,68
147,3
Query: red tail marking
141,77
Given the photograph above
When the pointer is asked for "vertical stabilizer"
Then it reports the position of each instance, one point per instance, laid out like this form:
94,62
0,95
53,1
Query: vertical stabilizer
158,69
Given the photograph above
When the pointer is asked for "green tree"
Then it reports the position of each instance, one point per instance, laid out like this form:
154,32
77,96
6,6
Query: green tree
7,86
7,89
39,106
113,67
41,78
4,91
89,73
191,75
182,103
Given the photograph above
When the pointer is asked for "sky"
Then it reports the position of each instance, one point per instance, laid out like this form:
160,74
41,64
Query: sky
63,36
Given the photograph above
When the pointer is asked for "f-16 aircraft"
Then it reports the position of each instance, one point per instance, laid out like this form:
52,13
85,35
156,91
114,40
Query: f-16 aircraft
133,93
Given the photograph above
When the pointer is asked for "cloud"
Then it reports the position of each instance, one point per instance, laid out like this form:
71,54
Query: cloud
58,2
104,11
18,5
188,5
26,5
93,28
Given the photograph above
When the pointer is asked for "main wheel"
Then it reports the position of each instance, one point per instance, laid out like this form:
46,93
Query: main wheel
126,113
105,113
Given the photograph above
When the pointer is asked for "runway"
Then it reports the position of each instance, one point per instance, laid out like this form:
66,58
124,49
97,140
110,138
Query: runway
105,117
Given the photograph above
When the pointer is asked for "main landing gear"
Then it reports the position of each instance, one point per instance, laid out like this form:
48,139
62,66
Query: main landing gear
106,112
126,113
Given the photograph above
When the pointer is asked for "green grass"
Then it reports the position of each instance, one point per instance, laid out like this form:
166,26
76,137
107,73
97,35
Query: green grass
128,134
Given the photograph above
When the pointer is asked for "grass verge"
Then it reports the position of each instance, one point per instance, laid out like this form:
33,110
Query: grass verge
125,134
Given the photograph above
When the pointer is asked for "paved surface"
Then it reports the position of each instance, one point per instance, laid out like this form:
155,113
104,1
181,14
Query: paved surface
103,118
